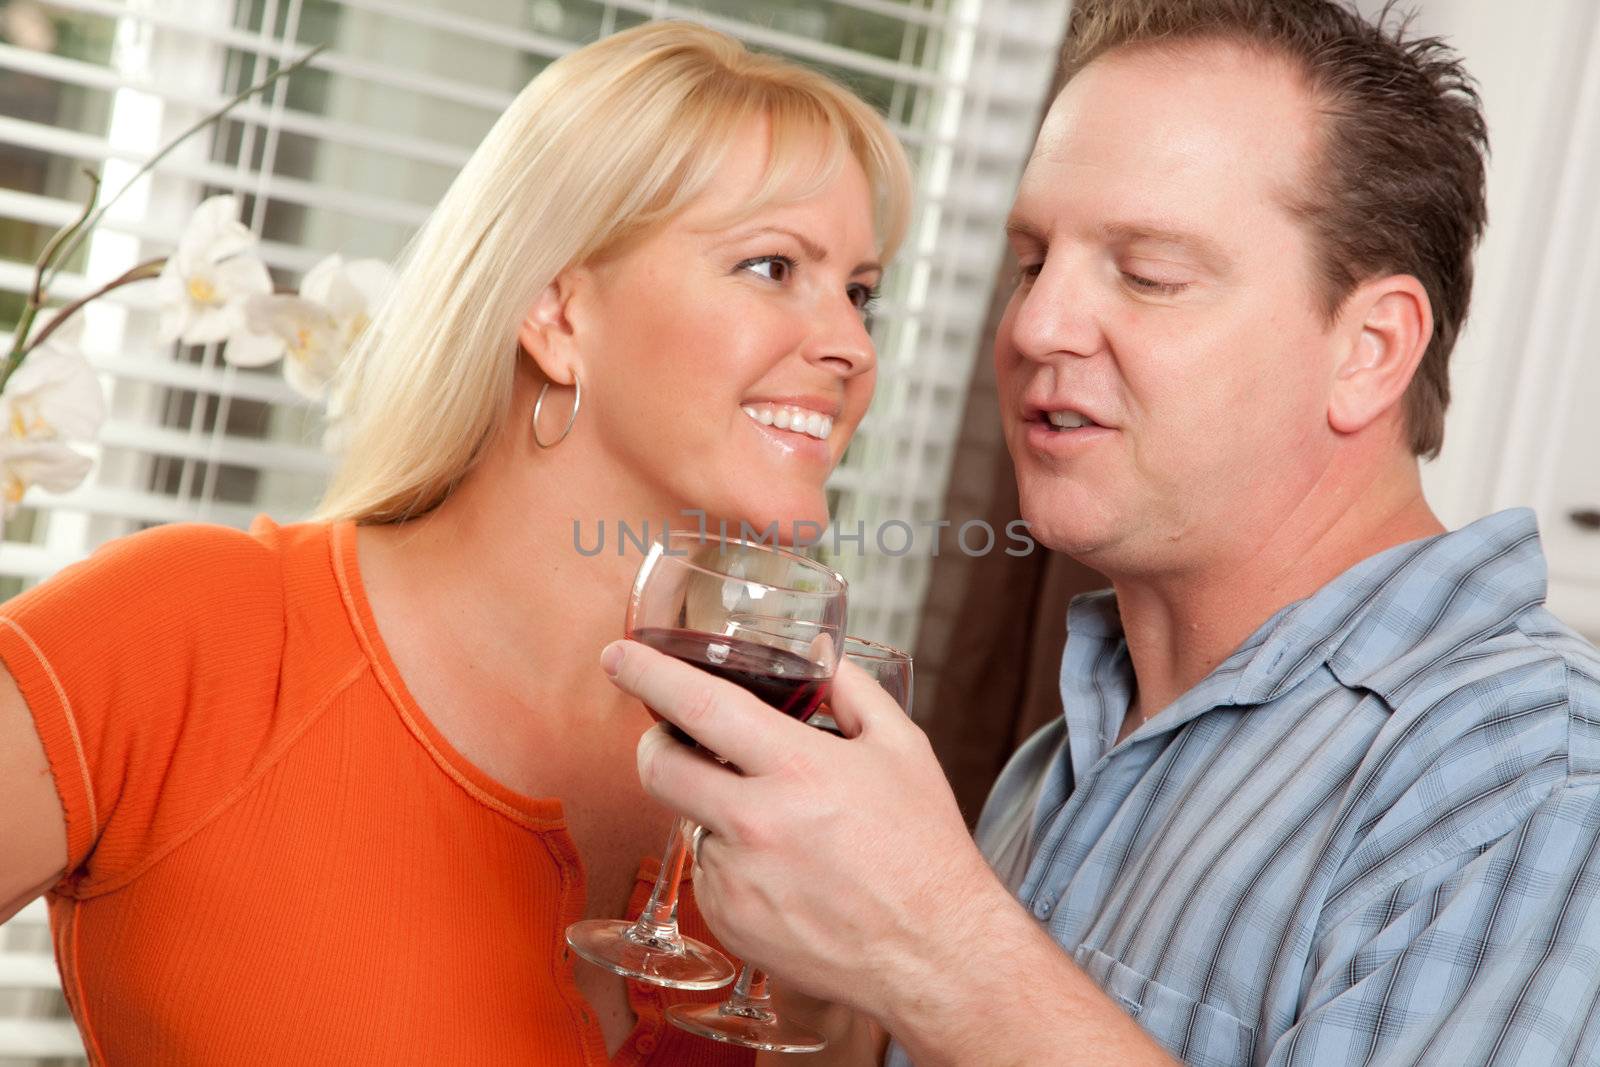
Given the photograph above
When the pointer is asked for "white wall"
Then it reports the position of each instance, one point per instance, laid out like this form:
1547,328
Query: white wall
1526,374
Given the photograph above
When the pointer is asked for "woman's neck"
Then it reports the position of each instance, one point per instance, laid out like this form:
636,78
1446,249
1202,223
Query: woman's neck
507,570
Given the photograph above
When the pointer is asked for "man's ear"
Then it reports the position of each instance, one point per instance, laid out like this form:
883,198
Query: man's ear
547,333
1388,323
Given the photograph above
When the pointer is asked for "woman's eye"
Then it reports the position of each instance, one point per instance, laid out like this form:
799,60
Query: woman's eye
1027,273
864,297
1149,285
773,268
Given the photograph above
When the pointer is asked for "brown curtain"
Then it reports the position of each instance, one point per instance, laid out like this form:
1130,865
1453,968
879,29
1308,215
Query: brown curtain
993,626
992,629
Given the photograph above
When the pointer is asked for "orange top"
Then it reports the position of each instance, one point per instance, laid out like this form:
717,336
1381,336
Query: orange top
273,855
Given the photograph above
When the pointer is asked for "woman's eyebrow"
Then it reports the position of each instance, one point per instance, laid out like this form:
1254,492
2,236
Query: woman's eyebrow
812,249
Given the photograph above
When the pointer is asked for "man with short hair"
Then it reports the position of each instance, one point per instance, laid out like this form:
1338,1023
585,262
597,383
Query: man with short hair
1327,786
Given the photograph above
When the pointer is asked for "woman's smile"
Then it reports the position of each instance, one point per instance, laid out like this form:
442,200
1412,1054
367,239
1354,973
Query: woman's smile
809,419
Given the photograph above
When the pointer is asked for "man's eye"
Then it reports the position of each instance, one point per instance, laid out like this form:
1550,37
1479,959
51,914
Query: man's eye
774,268
1028,272
1149,285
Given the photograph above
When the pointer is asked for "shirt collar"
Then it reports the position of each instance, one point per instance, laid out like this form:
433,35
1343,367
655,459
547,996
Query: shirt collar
1441,591
1096,678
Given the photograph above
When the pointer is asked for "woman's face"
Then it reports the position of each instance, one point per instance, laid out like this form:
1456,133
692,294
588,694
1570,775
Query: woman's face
726,367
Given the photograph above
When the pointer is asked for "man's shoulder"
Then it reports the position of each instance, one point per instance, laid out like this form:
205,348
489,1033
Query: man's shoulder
1580,661
1479,736
1545,631
1531,675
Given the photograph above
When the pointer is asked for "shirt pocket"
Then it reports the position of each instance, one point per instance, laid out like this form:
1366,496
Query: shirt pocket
1196,1033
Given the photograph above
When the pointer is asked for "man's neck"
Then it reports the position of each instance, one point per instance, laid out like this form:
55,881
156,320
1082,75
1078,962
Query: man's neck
1180,627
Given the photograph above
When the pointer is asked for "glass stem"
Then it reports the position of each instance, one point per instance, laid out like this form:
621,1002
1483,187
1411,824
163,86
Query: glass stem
750,999
658,922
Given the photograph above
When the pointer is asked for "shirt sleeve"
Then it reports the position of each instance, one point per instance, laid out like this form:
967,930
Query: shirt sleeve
149,669
1489,956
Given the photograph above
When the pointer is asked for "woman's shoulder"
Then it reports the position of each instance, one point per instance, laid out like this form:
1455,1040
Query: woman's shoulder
190,553
187,568
176,600
156,672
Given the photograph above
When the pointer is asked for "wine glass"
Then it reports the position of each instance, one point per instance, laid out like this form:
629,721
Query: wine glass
747,1017
688,600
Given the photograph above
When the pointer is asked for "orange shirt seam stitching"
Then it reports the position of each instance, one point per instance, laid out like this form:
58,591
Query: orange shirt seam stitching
72,723
97,1055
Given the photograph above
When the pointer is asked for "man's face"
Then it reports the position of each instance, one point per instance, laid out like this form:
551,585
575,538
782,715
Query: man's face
1166,293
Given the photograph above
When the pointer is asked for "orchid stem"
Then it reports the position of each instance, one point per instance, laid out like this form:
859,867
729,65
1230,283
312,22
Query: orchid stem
82,227
48,256
35,301
144,271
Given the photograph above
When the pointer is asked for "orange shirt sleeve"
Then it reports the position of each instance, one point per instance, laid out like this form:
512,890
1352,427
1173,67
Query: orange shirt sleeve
151,672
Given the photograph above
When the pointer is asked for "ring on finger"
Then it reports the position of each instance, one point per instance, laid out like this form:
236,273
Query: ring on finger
694,843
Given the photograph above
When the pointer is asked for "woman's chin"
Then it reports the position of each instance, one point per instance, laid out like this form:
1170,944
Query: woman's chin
802,524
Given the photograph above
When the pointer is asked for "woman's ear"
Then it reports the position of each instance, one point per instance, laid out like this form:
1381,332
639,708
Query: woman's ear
1390,325
547,333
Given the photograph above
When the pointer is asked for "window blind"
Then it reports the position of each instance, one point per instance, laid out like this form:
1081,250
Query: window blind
349,155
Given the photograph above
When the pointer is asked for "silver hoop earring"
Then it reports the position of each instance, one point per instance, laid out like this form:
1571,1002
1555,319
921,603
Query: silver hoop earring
538,406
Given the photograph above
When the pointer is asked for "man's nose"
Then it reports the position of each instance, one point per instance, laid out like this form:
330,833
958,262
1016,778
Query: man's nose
1056,315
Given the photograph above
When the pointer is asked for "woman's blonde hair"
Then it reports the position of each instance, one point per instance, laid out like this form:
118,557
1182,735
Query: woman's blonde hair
607,143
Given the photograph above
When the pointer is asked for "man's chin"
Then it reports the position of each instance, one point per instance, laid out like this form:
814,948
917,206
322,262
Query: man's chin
1065,519
1072,540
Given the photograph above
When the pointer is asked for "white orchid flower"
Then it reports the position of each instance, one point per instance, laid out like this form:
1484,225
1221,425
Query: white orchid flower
315,330
203,286
52,399
301,331
55,394
50,465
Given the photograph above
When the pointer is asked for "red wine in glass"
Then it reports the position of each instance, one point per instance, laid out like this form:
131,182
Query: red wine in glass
783,679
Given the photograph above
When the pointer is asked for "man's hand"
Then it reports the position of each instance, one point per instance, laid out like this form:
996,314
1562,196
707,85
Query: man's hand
842,864
854,1038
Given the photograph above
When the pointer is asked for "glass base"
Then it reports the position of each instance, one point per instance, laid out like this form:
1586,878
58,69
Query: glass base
686,964
767,1031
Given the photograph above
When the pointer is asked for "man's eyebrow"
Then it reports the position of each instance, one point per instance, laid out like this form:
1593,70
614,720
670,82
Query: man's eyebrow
807,245
1208,251
1027,231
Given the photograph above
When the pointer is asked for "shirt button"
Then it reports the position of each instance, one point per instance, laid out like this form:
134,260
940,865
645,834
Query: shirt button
647,1043
1041,908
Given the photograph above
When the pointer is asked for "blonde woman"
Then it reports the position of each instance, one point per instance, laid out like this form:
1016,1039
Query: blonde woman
330,793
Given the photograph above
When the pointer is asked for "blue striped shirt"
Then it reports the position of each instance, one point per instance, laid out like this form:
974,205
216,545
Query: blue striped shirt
1370,836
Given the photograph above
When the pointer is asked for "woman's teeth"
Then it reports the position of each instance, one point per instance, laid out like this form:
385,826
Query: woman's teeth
799,420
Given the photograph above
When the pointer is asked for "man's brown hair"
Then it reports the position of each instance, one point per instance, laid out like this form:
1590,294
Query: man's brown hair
1398,183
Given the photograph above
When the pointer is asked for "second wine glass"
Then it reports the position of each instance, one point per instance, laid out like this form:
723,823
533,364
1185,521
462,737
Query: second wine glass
747,1017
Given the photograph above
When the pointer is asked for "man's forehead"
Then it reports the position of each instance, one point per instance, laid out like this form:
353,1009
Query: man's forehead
1204,115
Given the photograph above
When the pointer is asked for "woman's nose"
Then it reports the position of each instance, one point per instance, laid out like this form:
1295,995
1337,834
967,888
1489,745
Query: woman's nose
841,343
